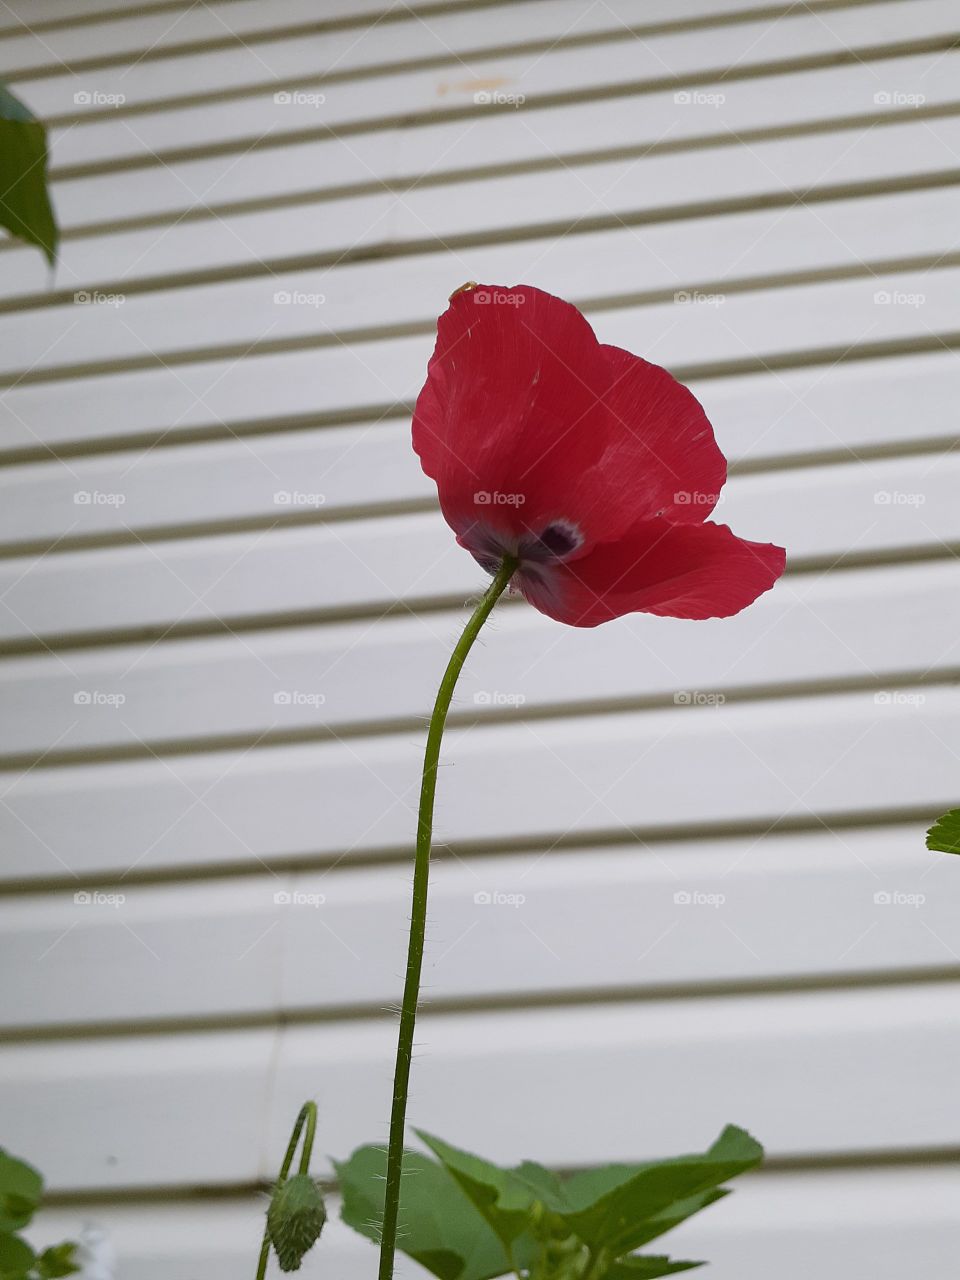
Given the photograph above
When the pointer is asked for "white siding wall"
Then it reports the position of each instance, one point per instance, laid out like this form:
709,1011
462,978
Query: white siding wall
157,1051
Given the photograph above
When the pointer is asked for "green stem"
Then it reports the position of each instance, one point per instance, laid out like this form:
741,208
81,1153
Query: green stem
308,1117
418,918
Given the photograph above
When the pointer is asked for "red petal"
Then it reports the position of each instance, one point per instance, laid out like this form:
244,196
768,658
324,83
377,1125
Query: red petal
523,404
665,452
677,571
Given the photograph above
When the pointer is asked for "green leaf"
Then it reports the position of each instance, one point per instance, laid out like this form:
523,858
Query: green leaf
501,1195
25,208
639,1268
620,1220
542,1182
676,1213
16,1258
438,1226
944,835
59,1260
20,1190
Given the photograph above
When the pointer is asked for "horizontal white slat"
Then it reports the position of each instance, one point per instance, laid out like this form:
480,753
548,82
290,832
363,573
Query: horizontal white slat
835,1055
769,324
885,505
849,753
791,906
765,103
316,165
170,26
617,190
303,305
831,627
428,94
455,39
885,1223
756,417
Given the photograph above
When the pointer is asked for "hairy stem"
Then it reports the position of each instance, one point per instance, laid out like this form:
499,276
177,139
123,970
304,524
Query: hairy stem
418,917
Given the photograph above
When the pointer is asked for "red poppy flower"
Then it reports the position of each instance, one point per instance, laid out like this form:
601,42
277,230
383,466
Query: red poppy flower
594,468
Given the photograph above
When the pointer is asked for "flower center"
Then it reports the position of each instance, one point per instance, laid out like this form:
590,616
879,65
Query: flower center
533,551
557,540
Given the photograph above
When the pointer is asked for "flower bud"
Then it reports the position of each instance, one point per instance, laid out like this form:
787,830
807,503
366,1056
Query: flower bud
295,1219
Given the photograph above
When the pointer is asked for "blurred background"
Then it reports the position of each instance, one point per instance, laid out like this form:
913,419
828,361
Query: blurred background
681,878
